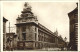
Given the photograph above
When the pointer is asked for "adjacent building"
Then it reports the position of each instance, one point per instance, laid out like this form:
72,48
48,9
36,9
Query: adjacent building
33,35
11,41
4,33
73,17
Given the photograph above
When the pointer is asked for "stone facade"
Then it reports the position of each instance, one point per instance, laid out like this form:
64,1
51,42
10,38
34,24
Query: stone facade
11,41
33,35
73,16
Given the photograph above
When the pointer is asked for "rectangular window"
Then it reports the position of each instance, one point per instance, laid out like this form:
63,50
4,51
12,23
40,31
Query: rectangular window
23,36
35,28
23,32
53,40
35,36
38,37
18,29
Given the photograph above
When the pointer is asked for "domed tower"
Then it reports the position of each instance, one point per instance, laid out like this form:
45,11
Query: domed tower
26,29
27,15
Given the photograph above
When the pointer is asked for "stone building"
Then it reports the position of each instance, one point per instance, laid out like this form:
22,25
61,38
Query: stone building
11,41
4,33
73,17
32,35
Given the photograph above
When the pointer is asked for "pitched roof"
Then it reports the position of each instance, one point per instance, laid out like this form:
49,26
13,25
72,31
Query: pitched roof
4,19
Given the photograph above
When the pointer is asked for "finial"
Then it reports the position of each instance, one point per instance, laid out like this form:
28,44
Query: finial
26,8
26,4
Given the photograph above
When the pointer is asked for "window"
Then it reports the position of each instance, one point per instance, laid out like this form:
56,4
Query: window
53,40
24,29
35,36
35,28
23,36
18,29
76,14
24,33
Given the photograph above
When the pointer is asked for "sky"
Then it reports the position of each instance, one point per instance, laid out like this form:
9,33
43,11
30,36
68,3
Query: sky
52,15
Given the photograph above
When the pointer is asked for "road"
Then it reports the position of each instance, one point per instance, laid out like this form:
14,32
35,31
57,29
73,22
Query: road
45,49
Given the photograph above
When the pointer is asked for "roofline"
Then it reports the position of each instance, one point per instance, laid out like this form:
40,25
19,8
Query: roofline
4,19
73,10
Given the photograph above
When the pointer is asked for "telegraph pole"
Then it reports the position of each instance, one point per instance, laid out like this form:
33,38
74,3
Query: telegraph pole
9,27
10,41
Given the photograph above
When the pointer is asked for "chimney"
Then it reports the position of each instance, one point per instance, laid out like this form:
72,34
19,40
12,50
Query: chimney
77,4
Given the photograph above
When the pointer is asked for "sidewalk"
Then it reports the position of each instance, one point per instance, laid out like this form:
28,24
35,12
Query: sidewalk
44,49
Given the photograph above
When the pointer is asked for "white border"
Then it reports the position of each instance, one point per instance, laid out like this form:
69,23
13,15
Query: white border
37,1
78,26
1,27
